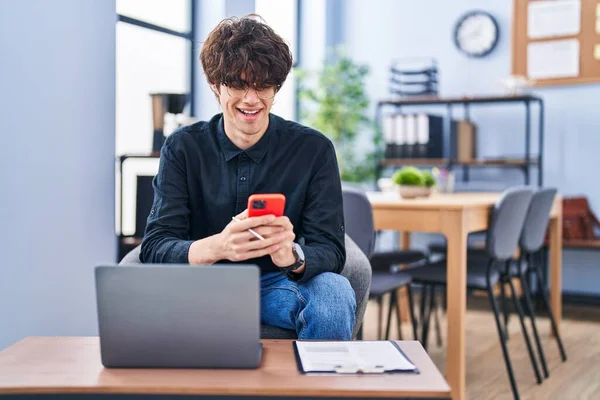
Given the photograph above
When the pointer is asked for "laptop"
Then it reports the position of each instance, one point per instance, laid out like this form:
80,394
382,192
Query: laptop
179,316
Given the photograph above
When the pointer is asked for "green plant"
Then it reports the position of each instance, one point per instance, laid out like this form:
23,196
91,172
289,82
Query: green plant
336,105
412,176
428,179
408,176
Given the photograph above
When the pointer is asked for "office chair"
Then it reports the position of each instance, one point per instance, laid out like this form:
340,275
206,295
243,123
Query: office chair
502,238
531,243
358,221
356,269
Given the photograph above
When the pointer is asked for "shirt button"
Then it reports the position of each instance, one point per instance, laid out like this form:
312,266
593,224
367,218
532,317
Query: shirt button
243,179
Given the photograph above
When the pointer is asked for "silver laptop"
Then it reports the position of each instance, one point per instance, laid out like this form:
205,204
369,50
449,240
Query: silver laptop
179,316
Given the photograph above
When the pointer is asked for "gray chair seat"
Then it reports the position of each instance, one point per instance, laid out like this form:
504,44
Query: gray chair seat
357,270
480,257
385,282
435,274
442,248
274,332
381,261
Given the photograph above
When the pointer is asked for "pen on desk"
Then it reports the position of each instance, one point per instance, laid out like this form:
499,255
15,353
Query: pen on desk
252,231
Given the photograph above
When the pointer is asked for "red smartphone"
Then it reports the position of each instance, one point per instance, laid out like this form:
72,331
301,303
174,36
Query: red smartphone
265,204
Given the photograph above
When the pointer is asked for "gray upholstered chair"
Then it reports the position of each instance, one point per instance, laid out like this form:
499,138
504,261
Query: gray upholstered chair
357,269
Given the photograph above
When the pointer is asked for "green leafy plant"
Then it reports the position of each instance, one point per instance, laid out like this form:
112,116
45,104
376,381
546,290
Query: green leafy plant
336,105
408,176
428,179
412,176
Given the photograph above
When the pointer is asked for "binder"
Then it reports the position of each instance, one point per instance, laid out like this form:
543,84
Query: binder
400,137
354,369
411,136
389,136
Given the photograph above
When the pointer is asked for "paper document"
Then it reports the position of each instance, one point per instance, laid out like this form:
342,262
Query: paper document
553,59
553,18
352,357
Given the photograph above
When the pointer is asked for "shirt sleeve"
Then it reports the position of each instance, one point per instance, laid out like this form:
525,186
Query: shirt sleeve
166,239
323,220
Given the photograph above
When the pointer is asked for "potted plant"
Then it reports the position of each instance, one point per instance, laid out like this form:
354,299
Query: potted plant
334,102
412,182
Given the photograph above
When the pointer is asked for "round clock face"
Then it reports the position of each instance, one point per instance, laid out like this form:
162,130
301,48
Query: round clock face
476,34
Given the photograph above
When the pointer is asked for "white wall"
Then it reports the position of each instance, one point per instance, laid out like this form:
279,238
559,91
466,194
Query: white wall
57,118
379,31
209,14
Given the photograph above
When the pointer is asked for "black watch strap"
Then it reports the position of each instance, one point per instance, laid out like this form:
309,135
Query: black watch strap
299,259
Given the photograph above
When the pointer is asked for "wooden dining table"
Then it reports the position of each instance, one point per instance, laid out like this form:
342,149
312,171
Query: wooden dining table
456,215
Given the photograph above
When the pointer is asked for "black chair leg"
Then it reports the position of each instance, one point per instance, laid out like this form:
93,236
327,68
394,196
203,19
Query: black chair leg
502,336
389,315
504,301
517,304
399,317
423,301
428,316
529,306
563,354
379,317
411,310
438,324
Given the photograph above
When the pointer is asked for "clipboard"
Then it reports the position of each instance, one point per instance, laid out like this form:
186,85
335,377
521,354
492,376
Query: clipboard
356,369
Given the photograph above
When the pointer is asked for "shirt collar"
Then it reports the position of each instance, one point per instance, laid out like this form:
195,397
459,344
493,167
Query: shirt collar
256,152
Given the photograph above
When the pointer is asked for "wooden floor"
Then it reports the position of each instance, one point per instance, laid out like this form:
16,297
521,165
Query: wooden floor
578,378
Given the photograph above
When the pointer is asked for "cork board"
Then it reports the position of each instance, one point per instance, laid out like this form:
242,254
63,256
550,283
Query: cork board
587,39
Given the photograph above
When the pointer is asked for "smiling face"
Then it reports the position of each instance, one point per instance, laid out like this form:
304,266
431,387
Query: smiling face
245,63
245,113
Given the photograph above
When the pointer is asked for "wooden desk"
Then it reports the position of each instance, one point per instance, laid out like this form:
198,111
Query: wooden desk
59,365
456,215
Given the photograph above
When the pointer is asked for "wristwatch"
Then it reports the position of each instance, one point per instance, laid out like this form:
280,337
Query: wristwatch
299,254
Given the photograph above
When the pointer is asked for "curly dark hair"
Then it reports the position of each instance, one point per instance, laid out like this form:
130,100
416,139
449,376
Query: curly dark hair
246,51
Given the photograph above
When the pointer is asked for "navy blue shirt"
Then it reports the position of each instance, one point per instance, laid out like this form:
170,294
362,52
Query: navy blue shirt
204,179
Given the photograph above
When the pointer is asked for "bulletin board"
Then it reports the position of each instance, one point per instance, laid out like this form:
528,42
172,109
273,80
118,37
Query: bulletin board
556,42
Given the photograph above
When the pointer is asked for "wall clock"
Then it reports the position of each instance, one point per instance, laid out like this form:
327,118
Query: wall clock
476,33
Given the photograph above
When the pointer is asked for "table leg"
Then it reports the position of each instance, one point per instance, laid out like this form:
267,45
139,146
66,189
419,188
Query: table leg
556,268
402,294
456,236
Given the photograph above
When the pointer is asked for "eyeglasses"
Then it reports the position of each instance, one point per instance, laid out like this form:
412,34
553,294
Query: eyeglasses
265,94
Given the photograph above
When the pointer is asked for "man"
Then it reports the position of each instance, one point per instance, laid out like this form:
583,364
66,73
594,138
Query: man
209,169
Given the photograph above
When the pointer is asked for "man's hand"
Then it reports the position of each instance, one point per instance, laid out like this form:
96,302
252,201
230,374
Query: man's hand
235,243
284,256
238,244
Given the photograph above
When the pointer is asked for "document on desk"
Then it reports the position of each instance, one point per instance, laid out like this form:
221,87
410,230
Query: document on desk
352,357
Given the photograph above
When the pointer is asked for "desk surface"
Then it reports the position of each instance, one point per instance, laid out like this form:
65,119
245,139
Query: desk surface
39,365
440,201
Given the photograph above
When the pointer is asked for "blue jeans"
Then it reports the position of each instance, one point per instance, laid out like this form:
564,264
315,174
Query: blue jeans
322,308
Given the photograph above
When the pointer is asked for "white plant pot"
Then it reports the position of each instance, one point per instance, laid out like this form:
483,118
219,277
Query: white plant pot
412,192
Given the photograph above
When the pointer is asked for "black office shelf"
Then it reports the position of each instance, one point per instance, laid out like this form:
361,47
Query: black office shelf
524,164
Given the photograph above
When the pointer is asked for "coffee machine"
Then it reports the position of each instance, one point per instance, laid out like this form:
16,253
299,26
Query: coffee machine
167,115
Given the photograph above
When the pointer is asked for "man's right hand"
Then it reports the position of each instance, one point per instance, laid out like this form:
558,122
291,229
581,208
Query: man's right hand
235,243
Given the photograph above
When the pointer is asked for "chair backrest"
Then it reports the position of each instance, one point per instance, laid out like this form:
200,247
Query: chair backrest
358,219
536,221
506,222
